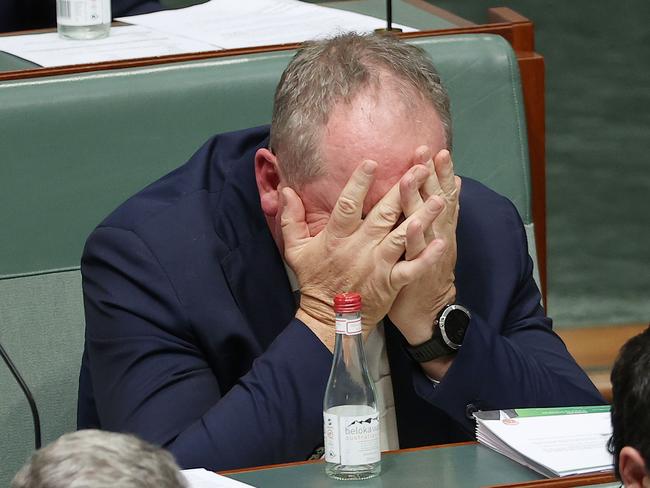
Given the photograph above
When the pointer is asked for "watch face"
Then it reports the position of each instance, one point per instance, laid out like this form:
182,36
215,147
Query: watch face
455,326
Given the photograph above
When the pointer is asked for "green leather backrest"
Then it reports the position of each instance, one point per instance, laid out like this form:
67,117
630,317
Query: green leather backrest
73,147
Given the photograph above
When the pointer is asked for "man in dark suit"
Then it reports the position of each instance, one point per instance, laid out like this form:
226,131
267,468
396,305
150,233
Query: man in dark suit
194,340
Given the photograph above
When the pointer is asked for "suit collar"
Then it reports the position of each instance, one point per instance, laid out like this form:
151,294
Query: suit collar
253,267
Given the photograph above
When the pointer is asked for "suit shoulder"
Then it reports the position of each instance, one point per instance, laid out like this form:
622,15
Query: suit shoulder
479,196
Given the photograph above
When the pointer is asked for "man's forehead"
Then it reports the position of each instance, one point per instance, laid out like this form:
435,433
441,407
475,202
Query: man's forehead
379,128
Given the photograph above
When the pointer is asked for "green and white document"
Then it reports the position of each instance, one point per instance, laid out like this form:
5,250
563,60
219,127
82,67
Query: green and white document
552,441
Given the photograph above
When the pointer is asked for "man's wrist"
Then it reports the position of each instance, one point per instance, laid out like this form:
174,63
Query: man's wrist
419,333
437,368
323,329
421,330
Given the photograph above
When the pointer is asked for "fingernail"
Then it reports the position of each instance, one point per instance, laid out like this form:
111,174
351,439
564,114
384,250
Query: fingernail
438,245
410,182
369,167
423,154
420,172
434,203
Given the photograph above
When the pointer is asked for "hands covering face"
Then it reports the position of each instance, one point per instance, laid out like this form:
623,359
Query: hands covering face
420,300
404,271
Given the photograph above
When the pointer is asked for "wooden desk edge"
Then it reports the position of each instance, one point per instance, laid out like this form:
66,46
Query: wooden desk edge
566,482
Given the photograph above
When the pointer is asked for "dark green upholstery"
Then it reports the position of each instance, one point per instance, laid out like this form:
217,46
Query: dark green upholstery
74,147
41,328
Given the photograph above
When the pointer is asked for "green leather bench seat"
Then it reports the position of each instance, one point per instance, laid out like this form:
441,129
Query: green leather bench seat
74,147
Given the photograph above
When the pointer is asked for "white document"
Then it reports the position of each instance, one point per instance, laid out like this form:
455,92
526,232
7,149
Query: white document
553,445
126,42
202,478
246,23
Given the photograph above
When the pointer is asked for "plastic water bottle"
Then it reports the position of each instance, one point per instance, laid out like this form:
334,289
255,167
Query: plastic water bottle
83,19
350,413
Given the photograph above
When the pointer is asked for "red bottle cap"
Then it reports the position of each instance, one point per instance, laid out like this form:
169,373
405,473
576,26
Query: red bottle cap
347,302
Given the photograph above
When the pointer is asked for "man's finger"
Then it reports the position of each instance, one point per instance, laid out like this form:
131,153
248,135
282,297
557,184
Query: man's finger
431,186
384,215
292,219
394,244
405,272
415,240
346,215
409,193
445,171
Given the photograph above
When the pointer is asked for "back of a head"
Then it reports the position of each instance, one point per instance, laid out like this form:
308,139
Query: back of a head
327,72
99,459
631,399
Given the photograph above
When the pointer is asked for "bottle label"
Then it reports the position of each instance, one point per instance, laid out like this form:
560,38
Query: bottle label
348,326
83,12
351,440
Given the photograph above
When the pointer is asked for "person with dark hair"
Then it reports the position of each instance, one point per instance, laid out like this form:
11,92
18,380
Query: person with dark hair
194,339
630,441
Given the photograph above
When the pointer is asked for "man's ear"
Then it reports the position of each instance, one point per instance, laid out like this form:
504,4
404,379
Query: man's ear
267,176
632,468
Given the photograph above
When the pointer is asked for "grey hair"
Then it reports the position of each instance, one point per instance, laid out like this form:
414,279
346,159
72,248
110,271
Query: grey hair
99,459
327,72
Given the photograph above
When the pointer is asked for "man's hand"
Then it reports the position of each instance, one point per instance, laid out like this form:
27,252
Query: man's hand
358,254
419,302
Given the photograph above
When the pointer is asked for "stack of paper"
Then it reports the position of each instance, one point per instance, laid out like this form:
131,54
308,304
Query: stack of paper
214,25
552,441
202,478
247,23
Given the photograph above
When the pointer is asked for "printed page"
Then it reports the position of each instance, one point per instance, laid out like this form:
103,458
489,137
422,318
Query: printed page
202,478
127,42
247,23
565,444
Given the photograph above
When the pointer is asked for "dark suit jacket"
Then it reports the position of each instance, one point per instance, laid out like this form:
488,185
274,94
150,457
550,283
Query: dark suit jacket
191,340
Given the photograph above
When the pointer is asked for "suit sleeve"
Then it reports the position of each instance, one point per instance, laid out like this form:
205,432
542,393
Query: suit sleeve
510,355
150,375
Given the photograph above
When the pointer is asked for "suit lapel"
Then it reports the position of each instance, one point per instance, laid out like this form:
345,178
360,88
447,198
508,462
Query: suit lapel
253,268
258,281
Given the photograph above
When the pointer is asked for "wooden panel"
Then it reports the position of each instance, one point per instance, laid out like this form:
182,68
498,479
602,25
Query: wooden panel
596,348
567,482
523,28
